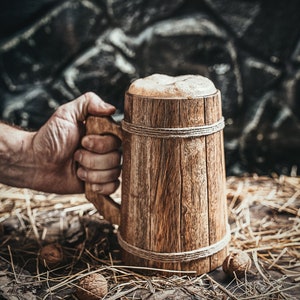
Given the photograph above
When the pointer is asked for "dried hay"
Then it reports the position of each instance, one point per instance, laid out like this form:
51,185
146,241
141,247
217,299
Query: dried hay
264,214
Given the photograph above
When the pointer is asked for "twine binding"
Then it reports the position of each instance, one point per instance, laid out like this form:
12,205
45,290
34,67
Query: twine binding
176,132
176,256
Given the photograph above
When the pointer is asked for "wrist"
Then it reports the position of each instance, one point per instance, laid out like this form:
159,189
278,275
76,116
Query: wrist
16,162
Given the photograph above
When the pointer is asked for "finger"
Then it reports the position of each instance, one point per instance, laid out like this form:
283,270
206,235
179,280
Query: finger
95,161
106,188
101,143
98,176
97,106
80,108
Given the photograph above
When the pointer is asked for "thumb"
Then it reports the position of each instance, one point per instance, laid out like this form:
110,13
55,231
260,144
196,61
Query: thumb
87,104
96,106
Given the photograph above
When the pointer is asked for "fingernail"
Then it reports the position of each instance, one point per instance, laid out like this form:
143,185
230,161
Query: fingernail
107,105
82,174
78,156
88,143
97,188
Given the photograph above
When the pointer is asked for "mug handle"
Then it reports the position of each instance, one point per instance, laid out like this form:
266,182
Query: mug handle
106,206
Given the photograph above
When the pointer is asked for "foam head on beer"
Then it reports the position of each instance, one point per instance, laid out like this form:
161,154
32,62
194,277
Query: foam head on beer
183,86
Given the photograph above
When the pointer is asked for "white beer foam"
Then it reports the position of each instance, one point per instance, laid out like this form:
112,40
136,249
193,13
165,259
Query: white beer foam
184,86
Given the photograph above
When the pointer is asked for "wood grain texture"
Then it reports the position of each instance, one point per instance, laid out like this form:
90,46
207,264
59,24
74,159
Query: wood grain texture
173,191
217,218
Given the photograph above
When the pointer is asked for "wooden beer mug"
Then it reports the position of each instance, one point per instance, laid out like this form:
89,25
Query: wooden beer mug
173,207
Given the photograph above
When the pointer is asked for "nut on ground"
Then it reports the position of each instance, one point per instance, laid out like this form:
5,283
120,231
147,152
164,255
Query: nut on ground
51,254
237,262
92,287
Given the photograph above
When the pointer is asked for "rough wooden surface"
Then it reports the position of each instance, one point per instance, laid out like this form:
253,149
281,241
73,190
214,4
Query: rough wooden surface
173,199
216,189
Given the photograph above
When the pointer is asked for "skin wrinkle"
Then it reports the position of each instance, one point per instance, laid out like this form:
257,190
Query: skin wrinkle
49,148
52,141
84,109
105,176
46,160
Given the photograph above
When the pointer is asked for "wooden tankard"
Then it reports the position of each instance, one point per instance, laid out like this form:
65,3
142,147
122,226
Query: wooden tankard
173,210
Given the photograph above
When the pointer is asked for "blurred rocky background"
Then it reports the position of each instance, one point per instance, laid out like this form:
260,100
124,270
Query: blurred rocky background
51,51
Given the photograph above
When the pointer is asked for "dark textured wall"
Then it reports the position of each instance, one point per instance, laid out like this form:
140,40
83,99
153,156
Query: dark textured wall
51,51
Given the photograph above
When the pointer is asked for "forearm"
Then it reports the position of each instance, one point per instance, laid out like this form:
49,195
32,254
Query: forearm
16,165
45,160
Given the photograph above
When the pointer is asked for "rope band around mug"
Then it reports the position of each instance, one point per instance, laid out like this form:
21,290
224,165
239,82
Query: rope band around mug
176,256
176,132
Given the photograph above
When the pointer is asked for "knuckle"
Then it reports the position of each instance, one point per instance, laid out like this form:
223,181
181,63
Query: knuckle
101,146
87,161
106,143
89,95
90,177
62,111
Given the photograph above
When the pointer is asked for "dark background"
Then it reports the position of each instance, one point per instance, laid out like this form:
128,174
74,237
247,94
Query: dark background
52,51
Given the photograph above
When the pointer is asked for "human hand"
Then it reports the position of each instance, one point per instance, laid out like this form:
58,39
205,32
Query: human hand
65,158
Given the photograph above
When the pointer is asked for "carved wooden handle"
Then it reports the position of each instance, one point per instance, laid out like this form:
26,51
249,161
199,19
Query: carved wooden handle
106,206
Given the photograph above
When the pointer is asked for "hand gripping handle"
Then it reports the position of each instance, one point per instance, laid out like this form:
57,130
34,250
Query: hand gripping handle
106,206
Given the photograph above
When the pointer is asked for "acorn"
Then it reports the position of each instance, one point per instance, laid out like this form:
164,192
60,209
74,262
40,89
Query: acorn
51,254
92,287
237,262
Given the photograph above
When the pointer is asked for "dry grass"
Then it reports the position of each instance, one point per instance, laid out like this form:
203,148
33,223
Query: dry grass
264,214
